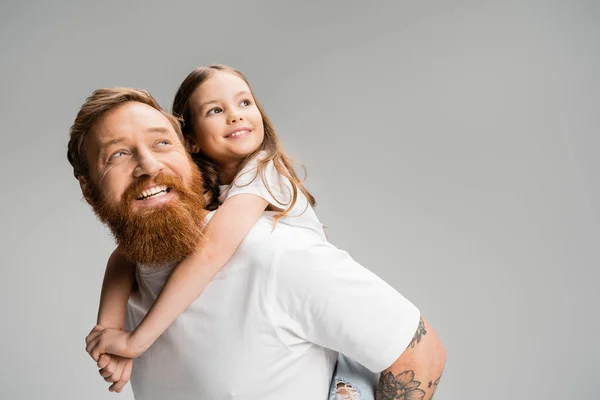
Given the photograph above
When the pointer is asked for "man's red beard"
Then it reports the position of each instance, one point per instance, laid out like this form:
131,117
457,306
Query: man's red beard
157,235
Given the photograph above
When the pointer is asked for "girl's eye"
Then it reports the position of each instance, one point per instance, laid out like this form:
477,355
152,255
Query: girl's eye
215,110
245,103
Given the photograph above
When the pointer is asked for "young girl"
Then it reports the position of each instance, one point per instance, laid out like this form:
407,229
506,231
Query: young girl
247,175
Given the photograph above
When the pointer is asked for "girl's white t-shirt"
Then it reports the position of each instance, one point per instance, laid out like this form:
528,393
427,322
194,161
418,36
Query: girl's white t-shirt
272,321
277,190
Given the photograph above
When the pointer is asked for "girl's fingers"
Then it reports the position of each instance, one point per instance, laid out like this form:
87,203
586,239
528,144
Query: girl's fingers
110,368
118,386
103,360
90,348
116,376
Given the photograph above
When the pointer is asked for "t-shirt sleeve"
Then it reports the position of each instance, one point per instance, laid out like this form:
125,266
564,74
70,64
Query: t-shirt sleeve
270,185
326,298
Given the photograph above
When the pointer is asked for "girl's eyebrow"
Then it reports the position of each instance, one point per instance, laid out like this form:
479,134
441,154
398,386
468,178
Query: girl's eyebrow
238,94
202,105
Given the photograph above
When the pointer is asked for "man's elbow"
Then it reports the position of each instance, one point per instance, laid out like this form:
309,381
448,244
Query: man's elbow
432,348
425,352
438,350
438,357
417,372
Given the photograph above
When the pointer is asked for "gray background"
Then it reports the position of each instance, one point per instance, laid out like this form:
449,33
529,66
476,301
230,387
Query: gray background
452,147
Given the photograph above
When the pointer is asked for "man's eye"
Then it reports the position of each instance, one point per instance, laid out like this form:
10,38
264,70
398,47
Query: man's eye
118,154
215,110
163,143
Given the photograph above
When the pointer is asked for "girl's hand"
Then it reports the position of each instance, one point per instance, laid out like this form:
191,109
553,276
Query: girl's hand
115,370
103,340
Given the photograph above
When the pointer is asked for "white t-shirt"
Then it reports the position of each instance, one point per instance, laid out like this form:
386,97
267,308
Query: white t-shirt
277,191
270,324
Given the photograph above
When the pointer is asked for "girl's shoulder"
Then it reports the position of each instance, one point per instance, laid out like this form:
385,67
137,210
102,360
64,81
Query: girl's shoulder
262,173
265,181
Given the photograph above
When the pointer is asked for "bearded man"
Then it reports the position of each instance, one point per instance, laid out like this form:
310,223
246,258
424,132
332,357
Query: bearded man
268,326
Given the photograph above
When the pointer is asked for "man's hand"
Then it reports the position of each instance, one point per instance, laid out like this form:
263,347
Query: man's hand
115,370
103,340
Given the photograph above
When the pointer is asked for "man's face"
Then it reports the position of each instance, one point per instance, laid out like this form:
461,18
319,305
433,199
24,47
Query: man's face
132,142
143,185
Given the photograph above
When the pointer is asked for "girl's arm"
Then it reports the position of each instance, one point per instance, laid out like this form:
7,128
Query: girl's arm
119,279
226,230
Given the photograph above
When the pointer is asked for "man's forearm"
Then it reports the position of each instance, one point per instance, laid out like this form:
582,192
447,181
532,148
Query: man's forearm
416,374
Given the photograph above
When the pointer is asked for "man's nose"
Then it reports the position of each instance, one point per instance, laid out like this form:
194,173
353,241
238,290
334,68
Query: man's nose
147,164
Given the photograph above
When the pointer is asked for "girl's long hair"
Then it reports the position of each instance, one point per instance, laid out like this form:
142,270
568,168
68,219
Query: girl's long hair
270,145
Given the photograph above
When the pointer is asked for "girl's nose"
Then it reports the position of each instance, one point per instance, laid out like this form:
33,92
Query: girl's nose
234,116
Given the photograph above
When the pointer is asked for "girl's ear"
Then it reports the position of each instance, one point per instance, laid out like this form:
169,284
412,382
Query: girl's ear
191,146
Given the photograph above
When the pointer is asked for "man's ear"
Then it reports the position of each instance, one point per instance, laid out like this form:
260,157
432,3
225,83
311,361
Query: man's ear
85,189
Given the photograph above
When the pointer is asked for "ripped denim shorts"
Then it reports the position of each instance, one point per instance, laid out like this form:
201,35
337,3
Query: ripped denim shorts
352,381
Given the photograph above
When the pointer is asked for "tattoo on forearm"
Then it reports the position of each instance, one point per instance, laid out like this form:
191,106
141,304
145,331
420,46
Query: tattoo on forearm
401,387
433,384
419,333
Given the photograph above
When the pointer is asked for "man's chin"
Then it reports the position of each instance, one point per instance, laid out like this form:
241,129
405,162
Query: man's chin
160,234
158,229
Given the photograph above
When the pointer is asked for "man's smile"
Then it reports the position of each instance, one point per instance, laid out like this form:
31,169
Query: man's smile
153,192
155,196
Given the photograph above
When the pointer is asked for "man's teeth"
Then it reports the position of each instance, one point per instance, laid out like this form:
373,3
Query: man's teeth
156,191
239,133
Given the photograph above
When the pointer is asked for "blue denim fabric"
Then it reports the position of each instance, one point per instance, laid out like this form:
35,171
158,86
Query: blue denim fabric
357,379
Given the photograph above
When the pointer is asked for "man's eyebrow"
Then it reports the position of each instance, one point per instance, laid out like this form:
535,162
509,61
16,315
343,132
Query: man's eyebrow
106,145
154,129
158,129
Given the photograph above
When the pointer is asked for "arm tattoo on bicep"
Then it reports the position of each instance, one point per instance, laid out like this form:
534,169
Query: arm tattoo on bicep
419,333
401,387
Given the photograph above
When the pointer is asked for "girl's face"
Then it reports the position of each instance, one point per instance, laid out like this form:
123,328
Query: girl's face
227,124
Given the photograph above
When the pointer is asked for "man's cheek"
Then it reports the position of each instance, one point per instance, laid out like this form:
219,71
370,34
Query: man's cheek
113,196
114,186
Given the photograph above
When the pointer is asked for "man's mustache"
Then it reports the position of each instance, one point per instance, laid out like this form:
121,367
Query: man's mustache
135,190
